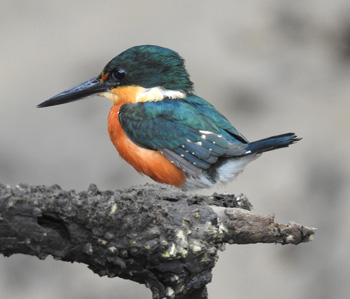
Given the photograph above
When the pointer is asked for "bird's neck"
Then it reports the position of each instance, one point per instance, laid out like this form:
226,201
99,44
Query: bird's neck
135,94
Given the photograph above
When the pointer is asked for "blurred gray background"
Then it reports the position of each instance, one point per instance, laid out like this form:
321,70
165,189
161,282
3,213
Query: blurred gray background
271,66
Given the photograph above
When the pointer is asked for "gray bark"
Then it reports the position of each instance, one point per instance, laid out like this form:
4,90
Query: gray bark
153,234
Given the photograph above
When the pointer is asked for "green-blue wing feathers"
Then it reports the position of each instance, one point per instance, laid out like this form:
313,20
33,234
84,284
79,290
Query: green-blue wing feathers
189,132
209,112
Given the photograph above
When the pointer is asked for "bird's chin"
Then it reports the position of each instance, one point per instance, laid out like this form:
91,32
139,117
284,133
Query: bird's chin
110,96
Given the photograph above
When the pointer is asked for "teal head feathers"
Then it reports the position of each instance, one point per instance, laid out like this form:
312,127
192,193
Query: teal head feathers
159,67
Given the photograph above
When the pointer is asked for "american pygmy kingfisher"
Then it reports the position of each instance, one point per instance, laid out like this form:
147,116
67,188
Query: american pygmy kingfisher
162,128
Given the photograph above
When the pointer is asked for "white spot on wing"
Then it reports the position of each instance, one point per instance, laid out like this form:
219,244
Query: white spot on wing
205,132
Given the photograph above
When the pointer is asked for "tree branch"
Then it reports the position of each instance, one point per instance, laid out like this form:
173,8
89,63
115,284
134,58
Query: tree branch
153,234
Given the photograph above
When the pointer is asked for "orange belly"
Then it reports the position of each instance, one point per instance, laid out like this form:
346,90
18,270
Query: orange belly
148,162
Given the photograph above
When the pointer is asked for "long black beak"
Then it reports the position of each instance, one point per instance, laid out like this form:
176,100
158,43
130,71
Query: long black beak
88,88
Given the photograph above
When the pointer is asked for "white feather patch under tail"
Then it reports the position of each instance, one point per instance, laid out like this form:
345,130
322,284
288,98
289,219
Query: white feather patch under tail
225,174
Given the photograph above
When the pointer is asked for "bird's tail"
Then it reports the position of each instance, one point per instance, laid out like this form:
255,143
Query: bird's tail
271,143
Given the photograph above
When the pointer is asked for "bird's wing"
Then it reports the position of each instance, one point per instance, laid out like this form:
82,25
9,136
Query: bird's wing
216,117
184,135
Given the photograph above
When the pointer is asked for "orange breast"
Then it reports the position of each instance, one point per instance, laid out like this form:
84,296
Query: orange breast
149,162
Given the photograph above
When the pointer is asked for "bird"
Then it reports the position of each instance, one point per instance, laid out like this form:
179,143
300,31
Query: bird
160,127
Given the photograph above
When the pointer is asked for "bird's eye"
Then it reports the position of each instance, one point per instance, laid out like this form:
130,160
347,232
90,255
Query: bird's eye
119,74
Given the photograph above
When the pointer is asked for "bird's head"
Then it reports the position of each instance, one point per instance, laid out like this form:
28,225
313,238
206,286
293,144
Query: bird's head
141,73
